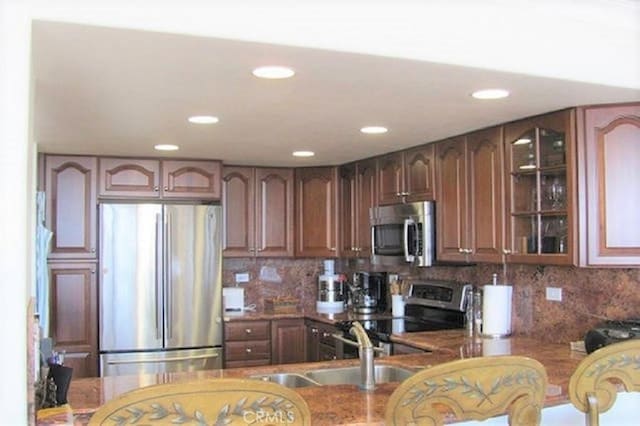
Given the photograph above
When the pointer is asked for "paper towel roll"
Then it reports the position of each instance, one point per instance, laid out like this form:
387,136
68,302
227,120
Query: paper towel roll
496,310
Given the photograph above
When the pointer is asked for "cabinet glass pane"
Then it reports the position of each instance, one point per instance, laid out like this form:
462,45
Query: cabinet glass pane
554,234
525,234
553,186
552,148
524,192
523,152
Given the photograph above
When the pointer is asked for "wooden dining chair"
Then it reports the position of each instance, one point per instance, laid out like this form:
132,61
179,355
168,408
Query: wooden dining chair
471,389
595,383
208,402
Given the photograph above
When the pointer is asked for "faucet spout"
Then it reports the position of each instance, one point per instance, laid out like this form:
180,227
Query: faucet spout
365,352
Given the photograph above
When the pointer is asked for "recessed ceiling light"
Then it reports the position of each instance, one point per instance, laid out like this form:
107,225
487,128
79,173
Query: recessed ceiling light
203,119
303,153
522,141
166,147
374,130
490,94
273,72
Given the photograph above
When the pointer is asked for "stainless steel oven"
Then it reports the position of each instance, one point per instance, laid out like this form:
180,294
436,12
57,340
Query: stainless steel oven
403,234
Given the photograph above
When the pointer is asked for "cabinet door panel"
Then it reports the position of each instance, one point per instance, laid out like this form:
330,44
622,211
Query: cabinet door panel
274,212
71,206
390,178
451,196
238,201
288,341
367,194
74,311
419,172
348,211
485,169
316,212
612,149
125,177
191,179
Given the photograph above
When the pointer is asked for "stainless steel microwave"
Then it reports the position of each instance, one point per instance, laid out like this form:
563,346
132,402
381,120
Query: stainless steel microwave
403,234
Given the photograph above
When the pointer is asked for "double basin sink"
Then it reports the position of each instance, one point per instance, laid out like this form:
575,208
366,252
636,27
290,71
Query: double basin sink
336,376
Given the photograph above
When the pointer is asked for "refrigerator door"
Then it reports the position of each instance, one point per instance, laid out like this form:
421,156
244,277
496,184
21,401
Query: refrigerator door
130,265
193,276
136,363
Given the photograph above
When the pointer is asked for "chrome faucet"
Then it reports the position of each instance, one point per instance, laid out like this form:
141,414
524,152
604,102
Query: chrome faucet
365,352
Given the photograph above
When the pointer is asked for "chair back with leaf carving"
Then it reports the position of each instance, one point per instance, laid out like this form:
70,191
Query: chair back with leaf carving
471,389
211,402
595,383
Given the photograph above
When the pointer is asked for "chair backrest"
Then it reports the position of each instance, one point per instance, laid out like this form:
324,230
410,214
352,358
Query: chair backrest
595,383
212,402
471,389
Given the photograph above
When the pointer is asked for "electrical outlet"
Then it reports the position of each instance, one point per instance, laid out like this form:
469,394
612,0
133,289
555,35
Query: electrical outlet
554,294
242,277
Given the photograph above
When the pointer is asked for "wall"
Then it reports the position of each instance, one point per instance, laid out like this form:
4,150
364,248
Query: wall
588,294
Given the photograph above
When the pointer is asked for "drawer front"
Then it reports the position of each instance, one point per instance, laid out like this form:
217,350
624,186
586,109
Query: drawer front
246,330
243,351
250,363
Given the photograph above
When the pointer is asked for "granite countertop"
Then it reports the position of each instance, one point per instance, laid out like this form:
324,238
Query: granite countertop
346,404
315,316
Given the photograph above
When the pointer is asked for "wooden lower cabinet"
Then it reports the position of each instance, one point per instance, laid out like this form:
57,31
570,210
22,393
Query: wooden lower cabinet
288,341
321,346
74,318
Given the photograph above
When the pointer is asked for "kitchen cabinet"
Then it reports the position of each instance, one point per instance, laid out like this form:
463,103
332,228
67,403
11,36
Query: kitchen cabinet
609,174
316,210
406,176
258,211
247,343
165,179
358,191
74,315
321,345
470,197
288,341
540,189
70,186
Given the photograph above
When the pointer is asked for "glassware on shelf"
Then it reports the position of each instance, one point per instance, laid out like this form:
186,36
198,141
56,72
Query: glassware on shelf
555,194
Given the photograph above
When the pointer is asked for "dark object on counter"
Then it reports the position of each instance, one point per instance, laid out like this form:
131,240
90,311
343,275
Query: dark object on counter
609,332
61,376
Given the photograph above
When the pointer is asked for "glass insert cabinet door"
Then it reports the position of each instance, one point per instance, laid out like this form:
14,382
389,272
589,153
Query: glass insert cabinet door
539,219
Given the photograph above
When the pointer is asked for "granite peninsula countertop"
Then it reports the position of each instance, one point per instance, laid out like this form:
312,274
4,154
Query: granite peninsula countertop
346,404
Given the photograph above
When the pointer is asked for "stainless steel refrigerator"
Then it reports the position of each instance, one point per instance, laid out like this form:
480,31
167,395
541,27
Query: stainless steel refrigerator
160,288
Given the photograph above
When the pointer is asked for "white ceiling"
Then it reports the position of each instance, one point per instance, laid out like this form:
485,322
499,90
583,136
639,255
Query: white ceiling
119,91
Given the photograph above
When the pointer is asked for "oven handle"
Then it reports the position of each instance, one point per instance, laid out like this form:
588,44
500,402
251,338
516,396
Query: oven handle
407,256
352,343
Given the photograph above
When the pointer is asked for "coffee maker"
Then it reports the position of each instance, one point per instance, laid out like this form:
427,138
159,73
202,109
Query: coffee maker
369,292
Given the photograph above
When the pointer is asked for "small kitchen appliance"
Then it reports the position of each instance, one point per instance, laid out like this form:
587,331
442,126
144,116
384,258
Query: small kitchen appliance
370,293
331,290
233,299
611,331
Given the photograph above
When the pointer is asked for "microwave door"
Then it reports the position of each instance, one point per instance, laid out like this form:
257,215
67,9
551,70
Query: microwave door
409,239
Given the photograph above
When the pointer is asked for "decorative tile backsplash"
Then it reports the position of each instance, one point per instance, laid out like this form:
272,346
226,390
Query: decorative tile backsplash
588,295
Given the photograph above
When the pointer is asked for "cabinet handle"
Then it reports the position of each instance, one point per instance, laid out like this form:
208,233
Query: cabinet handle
93,271
332,249
325,334
460,250
93,249
251,250
506,251
248,350
260,249
314,330
405,194
166,188
468,251
247,330
156,188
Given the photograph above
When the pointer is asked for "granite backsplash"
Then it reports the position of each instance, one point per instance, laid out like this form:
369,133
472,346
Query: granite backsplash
588,295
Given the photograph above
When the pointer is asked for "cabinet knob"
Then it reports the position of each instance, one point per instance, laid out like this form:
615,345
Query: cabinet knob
93,249
260,249
247,330
156,188
460,250
314,330
93,271
398,194
332,249
248,350
506,251
405,194
166,188
325,334
252,250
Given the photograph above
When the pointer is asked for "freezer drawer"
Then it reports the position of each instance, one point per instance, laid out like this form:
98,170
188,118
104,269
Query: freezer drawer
133,363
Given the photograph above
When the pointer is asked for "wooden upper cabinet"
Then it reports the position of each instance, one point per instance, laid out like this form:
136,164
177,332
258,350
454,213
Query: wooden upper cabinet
191,179
451,211
485,203
406,176
316,210
238,202
419,173
274,212
540,189
148,178
129,178
70,184
348,211
258,212
366,198
74,315
609,150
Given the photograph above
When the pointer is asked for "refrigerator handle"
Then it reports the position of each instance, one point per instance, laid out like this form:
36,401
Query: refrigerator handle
155,360
169,276
159,270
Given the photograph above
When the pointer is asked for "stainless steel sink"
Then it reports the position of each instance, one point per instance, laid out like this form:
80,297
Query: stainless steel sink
290,380
352,376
